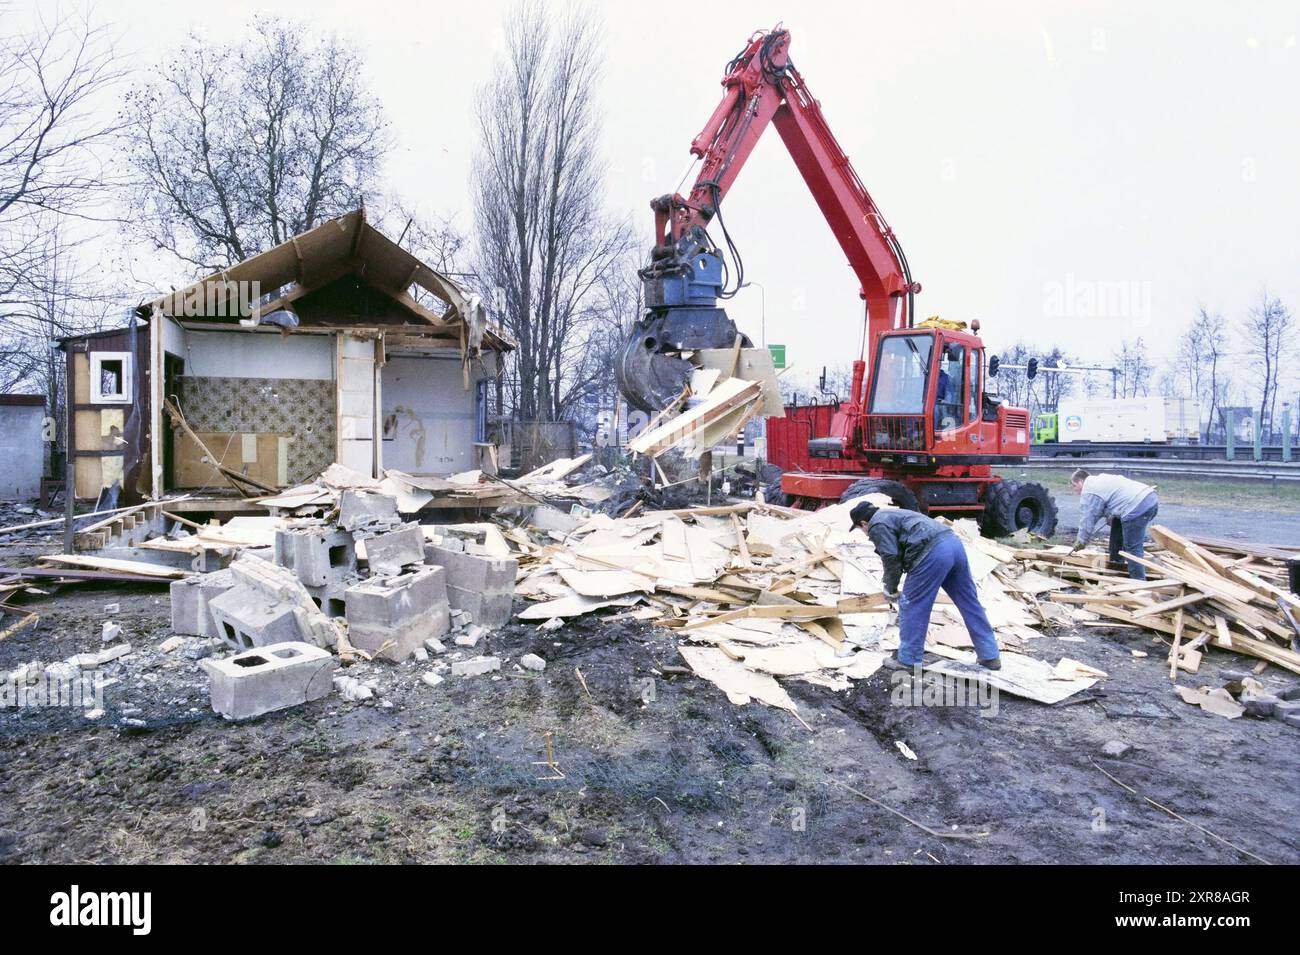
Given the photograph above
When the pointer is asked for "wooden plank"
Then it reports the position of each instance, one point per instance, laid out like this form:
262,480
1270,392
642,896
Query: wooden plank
1178,603
137,567
1178,639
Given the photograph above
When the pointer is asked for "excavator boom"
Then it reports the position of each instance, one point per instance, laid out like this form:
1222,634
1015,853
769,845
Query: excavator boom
688,273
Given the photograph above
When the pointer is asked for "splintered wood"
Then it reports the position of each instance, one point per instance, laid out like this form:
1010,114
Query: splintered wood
759,594
1198,593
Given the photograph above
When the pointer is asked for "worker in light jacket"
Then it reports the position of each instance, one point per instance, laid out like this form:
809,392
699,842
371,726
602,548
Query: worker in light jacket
931,556
1129,506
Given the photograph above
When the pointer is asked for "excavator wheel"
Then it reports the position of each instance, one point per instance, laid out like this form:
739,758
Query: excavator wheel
900,494
1010,506
775,494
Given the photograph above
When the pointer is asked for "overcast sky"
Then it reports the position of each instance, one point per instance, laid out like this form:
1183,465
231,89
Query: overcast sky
1068,173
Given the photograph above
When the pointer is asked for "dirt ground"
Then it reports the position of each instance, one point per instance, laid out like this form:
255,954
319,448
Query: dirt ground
647,768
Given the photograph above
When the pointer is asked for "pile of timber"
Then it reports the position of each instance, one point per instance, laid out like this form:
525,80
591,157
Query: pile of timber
1198,592
757,594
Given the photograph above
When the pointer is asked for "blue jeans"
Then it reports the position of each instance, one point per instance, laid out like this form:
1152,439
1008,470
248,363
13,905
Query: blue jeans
943,566
1127,535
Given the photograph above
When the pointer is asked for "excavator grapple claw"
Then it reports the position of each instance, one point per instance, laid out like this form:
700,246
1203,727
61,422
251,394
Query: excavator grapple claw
650,369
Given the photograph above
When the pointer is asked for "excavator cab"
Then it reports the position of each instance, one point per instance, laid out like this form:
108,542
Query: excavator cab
921,426
925,402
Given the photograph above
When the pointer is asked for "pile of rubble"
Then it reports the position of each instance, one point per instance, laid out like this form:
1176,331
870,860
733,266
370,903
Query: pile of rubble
756,592
359,583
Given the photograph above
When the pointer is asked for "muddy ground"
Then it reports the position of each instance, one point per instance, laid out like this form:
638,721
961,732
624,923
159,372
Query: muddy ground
647,767
659,771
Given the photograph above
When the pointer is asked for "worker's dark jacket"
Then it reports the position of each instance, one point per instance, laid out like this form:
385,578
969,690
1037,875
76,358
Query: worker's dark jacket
902,538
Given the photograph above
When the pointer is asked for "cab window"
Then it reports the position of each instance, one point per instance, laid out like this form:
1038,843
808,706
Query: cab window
950,387
901,375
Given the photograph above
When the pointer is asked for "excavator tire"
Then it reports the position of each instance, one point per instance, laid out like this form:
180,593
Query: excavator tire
774,494
1010,506
900,494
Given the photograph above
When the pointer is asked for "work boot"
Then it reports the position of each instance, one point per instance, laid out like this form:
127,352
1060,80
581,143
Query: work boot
893,663
994,664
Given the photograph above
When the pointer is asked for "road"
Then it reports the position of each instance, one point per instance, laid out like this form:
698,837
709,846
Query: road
1274,527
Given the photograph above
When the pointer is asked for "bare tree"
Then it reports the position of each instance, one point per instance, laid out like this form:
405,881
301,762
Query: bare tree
1197,370
1135,369
239,147
1267,330
545,248
53,75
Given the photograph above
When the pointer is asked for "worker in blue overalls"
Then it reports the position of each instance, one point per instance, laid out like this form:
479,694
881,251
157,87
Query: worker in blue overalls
932,556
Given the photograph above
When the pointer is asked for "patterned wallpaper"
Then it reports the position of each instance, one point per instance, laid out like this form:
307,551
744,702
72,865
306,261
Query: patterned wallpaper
300,408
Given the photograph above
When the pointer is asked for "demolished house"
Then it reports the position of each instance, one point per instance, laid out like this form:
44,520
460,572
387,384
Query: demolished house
335,346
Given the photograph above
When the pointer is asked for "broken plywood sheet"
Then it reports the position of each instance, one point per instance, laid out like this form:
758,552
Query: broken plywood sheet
755,364
1218,702
739,683
605,583
1020,676
574,605
725,398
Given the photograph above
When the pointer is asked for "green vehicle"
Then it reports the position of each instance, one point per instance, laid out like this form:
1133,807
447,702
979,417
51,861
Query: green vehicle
1045,428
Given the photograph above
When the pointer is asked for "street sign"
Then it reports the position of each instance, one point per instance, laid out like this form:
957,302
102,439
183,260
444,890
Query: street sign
778,355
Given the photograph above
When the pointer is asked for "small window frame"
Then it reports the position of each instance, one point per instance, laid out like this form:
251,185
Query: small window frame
127,393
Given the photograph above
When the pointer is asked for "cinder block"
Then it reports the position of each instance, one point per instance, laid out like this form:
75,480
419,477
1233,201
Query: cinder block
475,666
245,618
404,611
190,597
358,509
317,554
388,553
268,604
271,678
482,586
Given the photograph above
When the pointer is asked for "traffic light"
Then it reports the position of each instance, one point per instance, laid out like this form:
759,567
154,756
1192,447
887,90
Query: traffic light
994,362
1032,370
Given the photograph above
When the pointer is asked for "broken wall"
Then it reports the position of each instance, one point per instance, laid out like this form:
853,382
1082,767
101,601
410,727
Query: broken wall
262,402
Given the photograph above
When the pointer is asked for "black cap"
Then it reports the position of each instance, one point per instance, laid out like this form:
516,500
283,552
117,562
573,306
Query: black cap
862,513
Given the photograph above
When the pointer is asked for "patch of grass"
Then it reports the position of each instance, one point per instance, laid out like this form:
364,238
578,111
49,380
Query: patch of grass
1191,492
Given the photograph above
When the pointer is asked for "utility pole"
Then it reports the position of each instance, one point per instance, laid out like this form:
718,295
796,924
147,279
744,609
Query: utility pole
762,304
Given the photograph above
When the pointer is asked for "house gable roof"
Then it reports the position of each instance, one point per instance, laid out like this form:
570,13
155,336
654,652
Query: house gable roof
345,260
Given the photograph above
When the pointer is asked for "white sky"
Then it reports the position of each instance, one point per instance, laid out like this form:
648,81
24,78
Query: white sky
1019,149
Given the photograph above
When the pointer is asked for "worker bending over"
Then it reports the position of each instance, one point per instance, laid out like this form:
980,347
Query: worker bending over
1129,506
932,556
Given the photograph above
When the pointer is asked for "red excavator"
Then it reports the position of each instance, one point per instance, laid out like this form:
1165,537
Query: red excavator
922,426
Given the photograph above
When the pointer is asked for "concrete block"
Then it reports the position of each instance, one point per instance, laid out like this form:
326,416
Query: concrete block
190,597
431,678
268,604
405,611
531,661
359,509
318,554
389,552
482,586
1286,708
476,666
270,678
245,618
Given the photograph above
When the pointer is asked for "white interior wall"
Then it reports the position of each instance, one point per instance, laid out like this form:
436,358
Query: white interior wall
248,354
430,418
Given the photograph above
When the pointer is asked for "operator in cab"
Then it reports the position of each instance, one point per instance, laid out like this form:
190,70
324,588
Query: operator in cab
1129,506
931,556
